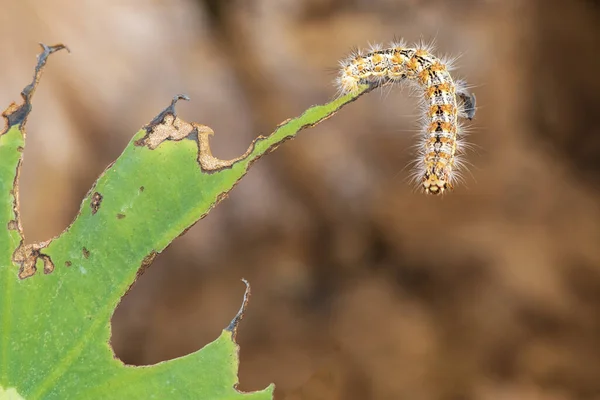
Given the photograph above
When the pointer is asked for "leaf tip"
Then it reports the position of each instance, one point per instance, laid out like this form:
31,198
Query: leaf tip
233,325
170,110
17,114
166,126
47,50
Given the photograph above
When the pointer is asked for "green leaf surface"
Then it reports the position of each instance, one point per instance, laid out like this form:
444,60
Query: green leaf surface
57,297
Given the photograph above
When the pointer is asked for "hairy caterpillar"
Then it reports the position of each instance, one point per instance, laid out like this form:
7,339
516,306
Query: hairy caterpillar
444,101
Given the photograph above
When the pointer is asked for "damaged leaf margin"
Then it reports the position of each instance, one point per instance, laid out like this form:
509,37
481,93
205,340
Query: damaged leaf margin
12,144
168,127
163,183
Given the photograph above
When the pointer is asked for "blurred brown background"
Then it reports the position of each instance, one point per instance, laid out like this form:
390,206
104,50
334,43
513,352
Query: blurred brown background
362,289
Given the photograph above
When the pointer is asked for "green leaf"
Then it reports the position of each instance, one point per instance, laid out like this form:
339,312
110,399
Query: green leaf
57,297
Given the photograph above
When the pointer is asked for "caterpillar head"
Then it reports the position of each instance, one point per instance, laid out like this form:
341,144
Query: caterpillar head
436,182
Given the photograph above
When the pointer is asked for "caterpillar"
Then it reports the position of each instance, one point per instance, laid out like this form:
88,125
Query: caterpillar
444,101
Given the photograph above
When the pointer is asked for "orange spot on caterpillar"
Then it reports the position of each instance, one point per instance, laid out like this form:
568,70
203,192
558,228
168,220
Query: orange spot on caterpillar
437,66
441,88
440,109
377,58
443,104
437,126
